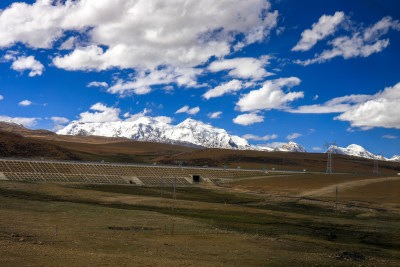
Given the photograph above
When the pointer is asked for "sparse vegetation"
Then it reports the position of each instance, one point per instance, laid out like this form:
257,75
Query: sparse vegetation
117,224
278,219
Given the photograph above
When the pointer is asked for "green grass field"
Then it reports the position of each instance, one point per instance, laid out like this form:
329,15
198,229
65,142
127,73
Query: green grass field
231,224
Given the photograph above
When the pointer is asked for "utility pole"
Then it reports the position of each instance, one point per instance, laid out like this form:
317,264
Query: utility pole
41,168
161,186
173,200
336,198
173,196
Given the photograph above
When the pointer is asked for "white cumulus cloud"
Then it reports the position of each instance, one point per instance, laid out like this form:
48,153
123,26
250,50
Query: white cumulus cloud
243,68
142,35
380,110
260,138
293,136
101,113
362,111
248,119
59,120
186,109
270,95
27,122
25,103
28,63
389,136
97,84
325,26
335,105
10,55
225,88
145,79
141,32
215,115
360,44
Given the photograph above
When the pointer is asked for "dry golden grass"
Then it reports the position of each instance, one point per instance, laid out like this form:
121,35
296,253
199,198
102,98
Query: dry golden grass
279,161
375,192
28,238
292,184
386,191
107,225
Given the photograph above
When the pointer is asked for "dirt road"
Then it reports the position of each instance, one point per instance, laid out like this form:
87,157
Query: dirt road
346,186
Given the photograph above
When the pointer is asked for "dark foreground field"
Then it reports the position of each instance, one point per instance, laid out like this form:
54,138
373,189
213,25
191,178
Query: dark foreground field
284,221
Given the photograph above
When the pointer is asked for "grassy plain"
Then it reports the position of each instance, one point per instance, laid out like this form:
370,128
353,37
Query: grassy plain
245,222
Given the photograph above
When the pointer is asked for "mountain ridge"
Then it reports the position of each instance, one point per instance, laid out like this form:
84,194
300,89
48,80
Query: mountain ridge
189,132
149,129
113,149
194,133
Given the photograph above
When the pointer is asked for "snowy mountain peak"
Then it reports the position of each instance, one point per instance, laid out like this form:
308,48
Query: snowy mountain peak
190,121
395,158
150,129
356,147
291,147
146,120
193,132
354,150
193,124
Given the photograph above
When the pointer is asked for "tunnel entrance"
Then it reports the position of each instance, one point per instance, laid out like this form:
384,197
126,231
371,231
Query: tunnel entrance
196,179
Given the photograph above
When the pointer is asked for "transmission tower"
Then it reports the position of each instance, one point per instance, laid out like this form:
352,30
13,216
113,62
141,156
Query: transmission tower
329,164
376,164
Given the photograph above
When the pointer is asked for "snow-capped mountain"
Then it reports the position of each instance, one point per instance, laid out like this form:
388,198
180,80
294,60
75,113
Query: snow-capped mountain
395,158
288,147
262,148
354,150
150,129
192,132
291,147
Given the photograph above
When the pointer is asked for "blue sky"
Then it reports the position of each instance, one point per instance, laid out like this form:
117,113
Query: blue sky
271,71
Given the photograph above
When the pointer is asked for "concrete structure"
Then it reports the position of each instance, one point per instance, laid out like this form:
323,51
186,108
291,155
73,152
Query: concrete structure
108,173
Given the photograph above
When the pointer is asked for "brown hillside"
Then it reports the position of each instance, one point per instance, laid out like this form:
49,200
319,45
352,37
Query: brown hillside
21,130
14,145
42,143
18,141
121,150
279,161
